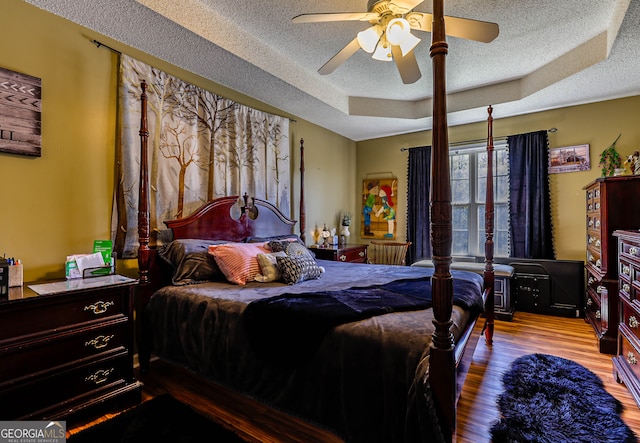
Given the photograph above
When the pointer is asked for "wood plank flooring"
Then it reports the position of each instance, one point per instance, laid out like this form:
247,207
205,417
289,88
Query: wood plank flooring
527,333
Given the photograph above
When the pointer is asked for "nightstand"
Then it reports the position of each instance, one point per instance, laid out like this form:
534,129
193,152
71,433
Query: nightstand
345,253
66,347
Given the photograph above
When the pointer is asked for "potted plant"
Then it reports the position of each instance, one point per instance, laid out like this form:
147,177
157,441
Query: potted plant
610,159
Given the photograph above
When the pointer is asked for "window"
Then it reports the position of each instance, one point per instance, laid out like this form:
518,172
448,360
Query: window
468,190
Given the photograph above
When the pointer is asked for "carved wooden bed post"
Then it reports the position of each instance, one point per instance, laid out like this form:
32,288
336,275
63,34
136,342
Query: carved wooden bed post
489,276
442,364
303,216
143,196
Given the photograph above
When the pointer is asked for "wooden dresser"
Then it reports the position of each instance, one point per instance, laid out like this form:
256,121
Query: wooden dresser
609,208
67,347
346,253
626,365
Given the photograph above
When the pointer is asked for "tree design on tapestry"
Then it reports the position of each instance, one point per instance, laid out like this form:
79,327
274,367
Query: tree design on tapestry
201,146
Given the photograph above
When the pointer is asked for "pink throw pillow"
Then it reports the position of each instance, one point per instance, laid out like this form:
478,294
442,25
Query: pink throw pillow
238,261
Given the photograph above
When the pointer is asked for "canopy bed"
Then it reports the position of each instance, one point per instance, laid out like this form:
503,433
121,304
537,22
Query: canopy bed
387,368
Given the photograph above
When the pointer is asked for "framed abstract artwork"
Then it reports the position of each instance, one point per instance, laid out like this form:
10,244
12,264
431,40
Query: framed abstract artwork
20,113
379,208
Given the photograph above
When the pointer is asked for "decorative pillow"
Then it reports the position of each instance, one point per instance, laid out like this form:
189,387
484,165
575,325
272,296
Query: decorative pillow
290,237
190,261
238,261
269,266
295,269
298,250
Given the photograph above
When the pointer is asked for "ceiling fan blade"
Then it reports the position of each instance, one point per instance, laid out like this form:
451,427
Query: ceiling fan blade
335,17
407,65
340,57
403,6
467,28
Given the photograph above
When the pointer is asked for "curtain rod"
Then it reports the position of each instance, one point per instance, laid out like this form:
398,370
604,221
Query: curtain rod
102,45
99,44
480,140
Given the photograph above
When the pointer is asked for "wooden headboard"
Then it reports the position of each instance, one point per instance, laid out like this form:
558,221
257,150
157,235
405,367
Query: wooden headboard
234,219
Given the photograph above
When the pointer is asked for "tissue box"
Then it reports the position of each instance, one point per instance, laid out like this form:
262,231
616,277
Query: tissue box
15,275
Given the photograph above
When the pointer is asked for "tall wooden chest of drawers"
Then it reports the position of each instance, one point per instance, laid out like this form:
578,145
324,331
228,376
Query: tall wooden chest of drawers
608,208
626,364
67,348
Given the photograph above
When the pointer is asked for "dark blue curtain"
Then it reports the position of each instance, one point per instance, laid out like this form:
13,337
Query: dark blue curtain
418,198
529,205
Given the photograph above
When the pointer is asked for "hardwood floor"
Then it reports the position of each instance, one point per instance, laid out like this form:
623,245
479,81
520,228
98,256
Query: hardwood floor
526,334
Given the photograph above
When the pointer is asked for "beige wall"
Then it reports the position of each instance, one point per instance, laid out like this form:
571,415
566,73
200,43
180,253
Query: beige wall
59,203
595,124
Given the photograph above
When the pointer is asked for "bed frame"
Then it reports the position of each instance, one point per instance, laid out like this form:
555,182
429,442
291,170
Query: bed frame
449,361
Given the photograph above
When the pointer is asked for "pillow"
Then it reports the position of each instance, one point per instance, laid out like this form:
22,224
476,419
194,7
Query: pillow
298,250
238,261
269,267
295,269
190,261
289,237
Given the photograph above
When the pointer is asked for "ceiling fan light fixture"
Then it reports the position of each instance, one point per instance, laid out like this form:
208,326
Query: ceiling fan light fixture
398,30
368,39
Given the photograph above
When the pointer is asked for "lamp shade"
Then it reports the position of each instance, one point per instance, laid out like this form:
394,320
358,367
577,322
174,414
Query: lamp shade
368,39
409,43
383,51
398,30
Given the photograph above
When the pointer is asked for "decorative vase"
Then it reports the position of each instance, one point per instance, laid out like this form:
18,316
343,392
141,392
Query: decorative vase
345,233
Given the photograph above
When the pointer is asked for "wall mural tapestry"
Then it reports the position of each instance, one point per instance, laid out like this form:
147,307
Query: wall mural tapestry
201,146
379,208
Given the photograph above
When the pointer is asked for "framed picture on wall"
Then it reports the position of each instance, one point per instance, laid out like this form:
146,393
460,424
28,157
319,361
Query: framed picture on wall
379,208
569,159
20,113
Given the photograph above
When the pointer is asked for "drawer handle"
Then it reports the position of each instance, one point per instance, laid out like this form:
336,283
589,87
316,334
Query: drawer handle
631,358
598,315
598,205
101,341
626,270
633,322
589,302
343,257
591,280
99,307
100,376
633,250
591,239
598,263
590,257
590,224
625,287
598,243
361,253
600,288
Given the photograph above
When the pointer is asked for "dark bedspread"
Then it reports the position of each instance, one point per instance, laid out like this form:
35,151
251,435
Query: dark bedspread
287,329
362,380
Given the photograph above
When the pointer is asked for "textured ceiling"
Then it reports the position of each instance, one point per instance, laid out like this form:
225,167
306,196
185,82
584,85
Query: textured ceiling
549,54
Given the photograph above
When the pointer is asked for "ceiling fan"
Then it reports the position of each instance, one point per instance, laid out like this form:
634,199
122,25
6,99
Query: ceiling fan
390,38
